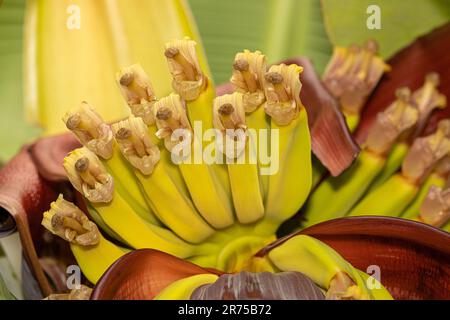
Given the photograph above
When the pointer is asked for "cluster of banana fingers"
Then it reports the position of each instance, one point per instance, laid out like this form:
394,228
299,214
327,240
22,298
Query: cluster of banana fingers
147,185
399,172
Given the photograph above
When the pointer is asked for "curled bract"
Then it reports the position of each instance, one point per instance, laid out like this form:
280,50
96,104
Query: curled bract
171,120
282,90
88,175
353,73
188,79
138,92
391,123
249,69
67,221
136,145
229,120
426,152
90,129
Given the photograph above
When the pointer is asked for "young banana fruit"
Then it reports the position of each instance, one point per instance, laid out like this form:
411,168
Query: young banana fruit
351,75
182,289
89,177
249,69
346,190
436,179
238,147
325,267
97,136
211,195
94,253
425,99
290,184
397,192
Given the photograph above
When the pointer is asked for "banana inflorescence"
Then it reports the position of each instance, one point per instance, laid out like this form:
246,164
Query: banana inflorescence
424,155
346,190
351,76
151,180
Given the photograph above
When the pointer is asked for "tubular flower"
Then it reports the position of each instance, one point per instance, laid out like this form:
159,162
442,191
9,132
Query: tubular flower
88,175
70,223
248,78
283,93
90,129
138,92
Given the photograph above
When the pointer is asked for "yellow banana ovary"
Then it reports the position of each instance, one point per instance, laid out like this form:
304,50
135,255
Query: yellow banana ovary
94,254
325,267
398,192
346,190
425,99
239,148
209,189
290,184
249,69
351,76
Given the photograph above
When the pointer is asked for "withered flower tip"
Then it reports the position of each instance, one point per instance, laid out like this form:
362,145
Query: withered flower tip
123,133
241,65
171,52
274,77
163,114
82,164
126,79
73,122
226,109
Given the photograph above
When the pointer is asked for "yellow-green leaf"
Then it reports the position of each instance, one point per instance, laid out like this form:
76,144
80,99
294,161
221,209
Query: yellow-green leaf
401,21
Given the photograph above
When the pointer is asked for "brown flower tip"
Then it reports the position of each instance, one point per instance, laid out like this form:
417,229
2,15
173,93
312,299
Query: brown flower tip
274,77
226,109
123,133
171,52
163,114
241,65
126,79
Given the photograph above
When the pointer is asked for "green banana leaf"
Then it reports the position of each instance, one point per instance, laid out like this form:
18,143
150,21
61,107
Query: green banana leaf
401,21
279,28
14,131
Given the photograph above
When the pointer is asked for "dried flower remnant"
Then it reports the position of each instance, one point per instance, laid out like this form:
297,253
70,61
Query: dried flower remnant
435,208
282,87
81,293
67,221
188,79
342,287
426,152
90,129
136,145
170,115
248,78
352,75
427,98
138,92
88,175
391,123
